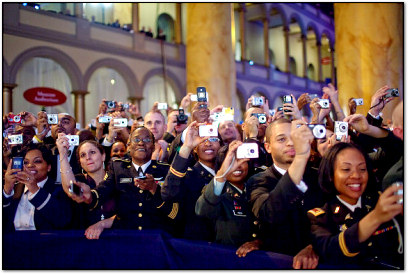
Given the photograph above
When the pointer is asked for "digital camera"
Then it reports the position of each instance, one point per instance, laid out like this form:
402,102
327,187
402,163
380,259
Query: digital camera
125,107
73,140
17,163
75,189
181,117
319,131
111,105
359,101
193,97
105,119
399,192
201,94
324,103
162,106
392,92
247,150
261,117
257,101
208,130
340,129
217,116
120,122
14,119
15,139
52,119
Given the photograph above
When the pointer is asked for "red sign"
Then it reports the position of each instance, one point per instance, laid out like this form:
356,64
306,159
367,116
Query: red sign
44,96
326,60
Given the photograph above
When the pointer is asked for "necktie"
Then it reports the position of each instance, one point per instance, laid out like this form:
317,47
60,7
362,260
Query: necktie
140,171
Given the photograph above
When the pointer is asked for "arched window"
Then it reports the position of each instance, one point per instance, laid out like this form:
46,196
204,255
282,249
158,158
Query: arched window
292,65
105,83
154,91
166,24
42,72
311,74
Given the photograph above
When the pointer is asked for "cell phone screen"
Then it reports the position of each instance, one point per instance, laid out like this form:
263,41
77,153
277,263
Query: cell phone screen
73,188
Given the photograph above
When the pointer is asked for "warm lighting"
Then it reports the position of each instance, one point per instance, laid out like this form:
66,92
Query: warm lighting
113,81
251,62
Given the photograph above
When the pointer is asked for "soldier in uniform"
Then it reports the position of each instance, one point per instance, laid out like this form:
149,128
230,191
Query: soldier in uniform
184,184
135,186
223,200
353,227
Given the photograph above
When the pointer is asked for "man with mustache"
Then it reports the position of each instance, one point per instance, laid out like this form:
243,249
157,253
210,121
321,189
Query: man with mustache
135,185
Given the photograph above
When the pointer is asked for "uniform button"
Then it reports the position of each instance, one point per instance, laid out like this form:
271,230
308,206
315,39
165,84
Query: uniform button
370,244
254,235
255,222
140,204
140,228
140,215
140,191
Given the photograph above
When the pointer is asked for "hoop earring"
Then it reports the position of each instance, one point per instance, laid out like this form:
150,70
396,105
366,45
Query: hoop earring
103,165
83,172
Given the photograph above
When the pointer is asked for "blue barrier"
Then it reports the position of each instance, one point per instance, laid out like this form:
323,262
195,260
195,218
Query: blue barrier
127,249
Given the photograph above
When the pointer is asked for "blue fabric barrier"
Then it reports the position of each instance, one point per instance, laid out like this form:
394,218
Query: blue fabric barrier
127,249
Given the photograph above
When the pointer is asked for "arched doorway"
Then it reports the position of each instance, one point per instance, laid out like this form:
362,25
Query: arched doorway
154,91
166,23
105,83
42,72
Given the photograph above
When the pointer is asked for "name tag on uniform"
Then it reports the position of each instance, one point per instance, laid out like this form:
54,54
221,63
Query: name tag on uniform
125,180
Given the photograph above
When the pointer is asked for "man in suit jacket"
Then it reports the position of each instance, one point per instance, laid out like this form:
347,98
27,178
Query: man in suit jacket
135,185
281,195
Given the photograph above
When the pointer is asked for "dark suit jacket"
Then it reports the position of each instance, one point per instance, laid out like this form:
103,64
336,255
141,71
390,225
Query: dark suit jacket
52,207
76,168
135,208
281,209
186,190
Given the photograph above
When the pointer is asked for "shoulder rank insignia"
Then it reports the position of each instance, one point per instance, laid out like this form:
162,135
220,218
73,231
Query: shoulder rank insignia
316,211
189,169
121,160
154,166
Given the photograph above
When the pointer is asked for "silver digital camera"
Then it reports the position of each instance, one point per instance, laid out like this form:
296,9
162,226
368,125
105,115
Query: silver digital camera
73,140
319,131
52,119
392,92
359,101
120,122
261,117
247,150
340,129
162,106
399,192
15,139
105,119
257,102
324,103
208,130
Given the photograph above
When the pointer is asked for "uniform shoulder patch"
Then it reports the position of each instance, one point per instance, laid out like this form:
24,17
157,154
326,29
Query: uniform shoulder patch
316,211
189,169
162,163
121,160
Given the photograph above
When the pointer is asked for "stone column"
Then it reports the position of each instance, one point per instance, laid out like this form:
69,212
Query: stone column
369,51
178,32
209,57
8,98
304,40
319,61
242,29
80,106
79,10
266,40
135,17
287,59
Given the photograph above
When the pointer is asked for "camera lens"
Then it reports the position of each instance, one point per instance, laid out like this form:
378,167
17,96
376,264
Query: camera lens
252,151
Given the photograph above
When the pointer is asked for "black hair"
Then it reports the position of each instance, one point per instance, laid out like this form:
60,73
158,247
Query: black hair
44,149
326,168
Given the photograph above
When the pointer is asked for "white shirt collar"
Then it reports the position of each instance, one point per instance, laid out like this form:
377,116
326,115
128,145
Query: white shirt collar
280,170
144,166
239,190
40,184
210,170
351,207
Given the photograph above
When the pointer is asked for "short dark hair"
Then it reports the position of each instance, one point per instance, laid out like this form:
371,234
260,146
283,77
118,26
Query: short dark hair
268,132
44,149
326,168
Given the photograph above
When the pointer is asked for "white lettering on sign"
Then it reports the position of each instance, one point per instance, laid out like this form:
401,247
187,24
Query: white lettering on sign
42,99
40,93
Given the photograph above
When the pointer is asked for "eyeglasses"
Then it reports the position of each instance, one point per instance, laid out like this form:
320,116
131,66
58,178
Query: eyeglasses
145,140
214,139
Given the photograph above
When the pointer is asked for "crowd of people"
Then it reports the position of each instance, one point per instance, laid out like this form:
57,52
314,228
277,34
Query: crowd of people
323,189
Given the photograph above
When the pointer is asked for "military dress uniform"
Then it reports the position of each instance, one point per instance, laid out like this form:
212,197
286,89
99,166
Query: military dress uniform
234,221
135,208
184,185
334,229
